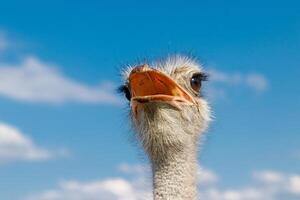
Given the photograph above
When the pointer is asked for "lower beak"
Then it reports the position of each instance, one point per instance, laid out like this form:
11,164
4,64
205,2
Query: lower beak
150,85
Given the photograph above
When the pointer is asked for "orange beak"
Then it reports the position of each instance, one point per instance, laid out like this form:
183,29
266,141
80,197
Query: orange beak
150,85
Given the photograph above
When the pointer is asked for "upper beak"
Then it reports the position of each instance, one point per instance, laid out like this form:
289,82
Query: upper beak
150,85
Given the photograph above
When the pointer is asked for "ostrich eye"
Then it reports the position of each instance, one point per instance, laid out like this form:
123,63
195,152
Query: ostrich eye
125,90
196,81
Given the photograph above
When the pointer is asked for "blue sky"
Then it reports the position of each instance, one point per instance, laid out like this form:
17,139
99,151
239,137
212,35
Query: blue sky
61,120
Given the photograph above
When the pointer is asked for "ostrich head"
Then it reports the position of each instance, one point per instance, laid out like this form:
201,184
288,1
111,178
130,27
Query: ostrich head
168,111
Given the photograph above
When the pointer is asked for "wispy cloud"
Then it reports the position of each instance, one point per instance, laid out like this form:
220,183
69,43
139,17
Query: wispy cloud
116,188
15,146
206,176
268,176
35,81
221,82
32,80
255,81
133,169
266,185
294,183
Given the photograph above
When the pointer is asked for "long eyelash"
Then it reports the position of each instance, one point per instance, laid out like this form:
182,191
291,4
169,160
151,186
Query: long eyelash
122,88
204,76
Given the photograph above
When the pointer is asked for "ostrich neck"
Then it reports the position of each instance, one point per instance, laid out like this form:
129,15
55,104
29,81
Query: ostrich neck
175,176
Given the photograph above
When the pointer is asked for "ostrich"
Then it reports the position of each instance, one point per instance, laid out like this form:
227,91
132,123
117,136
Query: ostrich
168,115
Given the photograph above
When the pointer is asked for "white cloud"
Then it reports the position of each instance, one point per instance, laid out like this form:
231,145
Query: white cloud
133,169
253,80
294,183
215,193
109,189
206,176
220,82
268,176
266,185
35,81
219,76
14,145
135,188
257,82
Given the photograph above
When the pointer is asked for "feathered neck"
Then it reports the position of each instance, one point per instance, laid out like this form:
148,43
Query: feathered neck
175,176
